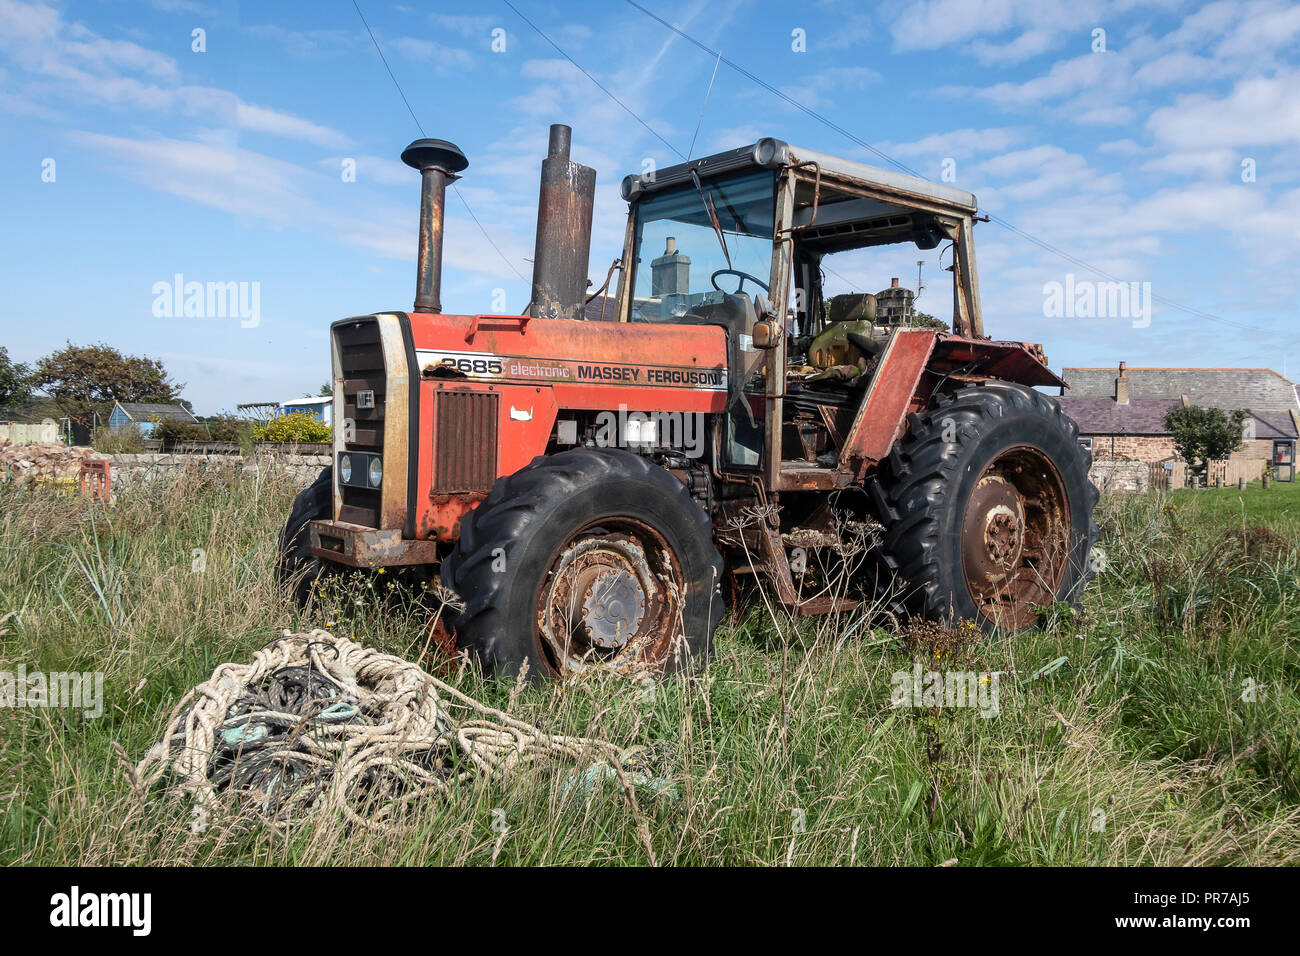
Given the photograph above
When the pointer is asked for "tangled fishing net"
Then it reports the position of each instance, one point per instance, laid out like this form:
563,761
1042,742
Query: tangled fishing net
318,724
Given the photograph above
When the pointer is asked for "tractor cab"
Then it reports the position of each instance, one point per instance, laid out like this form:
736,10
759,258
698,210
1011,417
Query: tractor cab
777,244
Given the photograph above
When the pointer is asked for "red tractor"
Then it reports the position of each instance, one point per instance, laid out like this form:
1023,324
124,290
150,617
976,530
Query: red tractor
588,475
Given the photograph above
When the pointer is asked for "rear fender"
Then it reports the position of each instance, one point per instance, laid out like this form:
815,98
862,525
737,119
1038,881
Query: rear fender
916,362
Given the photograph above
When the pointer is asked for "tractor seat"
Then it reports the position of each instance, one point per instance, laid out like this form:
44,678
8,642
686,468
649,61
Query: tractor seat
844,351
852,307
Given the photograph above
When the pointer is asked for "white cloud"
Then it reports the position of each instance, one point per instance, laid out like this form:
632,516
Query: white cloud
1029,44
307,44
1066,78
1197,162
1177,67
466,26
1261,27
374,169
260,119
1123,147
444,59
851,31
71,62
1260,111
819,89
260,188
933,24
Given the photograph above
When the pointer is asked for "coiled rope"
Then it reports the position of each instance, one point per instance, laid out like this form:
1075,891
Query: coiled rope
318,724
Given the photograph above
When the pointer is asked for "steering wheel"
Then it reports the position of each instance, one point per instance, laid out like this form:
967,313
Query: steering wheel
743,276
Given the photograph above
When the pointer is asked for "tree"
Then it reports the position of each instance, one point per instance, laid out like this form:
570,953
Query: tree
326,391
924,320
1204,434
15,380
85,379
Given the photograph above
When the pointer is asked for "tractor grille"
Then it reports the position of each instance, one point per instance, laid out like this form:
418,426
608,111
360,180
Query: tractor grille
361,358
465,446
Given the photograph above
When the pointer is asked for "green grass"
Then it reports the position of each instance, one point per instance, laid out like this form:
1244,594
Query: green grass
1123,735
1280,502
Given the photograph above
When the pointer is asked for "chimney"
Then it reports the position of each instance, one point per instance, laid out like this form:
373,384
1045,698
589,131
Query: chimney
670,274
438,162
893,283
1121,386
564,208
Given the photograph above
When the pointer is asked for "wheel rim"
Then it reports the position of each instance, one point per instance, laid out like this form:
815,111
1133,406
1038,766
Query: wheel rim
1015,537
611,598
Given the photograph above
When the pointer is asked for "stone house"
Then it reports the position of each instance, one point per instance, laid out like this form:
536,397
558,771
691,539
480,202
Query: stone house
1121,411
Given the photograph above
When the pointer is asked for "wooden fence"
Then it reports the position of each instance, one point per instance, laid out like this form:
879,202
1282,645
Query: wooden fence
1227,472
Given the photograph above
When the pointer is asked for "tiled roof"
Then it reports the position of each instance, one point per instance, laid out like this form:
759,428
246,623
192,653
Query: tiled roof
1274,425
1254,388
1102,416
1146,416
592,310
150,412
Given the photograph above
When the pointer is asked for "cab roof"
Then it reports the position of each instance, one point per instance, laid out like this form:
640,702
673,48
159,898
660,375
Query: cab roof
769,153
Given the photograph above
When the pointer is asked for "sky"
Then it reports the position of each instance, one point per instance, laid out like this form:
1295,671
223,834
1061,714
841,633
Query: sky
258,144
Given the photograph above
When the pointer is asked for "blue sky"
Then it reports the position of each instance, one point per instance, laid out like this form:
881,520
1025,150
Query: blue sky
226,165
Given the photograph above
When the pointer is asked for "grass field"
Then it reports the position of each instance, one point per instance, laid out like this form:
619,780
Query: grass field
1160,726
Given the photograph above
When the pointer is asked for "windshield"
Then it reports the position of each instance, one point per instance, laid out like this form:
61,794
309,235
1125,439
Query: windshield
677,249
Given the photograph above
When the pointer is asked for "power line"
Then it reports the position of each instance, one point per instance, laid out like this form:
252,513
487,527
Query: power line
772,89
388,68
456,190
420,127
1042,244
700,122
601,86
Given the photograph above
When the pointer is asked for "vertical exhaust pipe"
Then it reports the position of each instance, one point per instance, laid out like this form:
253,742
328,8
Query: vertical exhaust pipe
563,248
438,162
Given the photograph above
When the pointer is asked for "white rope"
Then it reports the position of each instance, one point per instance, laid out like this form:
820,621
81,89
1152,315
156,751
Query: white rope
380,734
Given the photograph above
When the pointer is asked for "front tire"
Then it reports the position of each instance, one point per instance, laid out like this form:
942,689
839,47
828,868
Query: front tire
296,568
591,558
988,508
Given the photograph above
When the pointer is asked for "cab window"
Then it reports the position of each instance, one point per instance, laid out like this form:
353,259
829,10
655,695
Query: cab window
677,250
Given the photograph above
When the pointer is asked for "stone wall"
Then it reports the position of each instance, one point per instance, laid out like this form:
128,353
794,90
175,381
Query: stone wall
149,467
1131,447
1257,449
1160,448
1119,477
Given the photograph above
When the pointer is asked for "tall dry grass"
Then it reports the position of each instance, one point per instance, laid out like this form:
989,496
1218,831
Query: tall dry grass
1123,734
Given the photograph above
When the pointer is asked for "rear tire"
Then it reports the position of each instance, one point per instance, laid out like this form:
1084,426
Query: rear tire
987,508
296,568
588,558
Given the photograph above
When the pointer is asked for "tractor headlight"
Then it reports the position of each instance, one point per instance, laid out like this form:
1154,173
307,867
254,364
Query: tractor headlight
345,468
375,472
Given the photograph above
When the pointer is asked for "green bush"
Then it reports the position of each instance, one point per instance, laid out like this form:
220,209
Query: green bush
228,428
294,427
171,432
126,440
223,428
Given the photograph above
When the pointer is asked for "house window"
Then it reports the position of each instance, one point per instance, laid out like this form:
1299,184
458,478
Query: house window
1085,443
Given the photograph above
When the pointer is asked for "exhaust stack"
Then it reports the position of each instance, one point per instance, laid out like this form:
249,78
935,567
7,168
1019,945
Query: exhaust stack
563,248
438,162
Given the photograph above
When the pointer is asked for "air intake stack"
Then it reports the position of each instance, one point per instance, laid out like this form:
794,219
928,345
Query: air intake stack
564,210
438,162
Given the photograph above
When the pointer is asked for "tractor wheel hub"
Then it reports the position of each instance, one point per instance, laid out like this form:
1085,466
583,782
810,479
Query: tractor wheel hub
993,538
602,598
613,608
